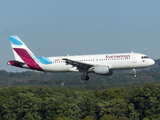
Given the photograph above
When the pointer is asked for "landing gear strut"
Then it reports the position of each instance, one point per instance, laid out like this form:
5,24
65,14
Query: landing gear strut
85,76
134,73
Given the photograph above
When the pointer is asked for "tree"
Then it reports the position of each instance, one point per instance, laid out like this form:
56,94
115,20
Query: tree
146,100
108,117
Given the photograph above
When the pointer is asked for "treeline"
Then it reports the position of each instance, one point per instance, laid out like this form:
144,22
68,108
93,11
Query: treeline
72,80
46,103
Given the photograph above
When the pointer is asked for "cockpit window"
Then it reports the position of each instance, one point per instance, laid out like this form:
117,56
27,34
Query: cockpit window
144,57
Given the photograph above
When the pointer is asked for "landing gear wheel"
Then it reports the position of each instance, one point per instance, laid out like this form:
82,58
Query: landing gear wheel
83,77
134,73
87,78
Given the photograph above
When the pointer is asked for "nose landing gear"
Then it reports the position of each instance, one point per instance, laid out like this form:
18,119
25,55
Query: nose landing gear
134,73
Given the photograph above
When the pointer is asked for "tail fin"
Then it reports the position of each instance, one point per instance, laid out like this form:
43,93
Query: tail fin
20,49
23,56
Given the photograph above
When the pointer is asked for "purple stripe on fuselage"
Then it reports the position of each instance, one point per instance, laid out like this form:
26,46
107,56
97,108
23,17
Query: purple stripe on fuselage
27,59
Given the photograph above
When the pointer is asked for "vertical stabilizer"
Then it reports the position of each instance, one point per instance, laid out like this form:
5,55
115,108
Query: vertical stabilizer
19,48
23,56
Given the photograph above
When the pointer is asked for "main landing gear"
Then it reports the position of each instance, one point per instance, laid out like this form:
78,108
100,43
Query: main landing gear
134,73
85,76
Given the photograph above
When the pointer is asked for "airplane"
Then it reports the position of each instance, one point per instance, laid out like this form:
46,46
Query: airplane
103,64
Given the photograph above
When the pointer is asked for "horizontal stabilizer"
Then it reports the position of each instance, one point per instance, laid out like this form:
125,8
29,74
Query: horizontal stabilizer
16,63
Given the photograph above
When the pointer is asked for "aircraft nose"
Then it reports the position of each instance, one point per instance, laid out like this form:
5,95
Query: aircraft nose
152,62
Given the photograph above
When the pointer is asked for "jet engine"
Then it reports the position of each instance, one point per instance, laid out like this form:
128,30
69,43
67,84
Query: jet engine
102,70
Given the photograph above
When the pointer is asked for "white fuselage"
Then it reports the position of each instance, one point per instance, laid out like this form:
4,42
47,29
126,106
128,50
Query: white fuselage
114,61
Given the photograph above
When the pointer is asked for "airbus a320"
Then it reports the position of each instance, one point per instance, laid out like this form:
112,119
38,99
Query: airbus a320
103,64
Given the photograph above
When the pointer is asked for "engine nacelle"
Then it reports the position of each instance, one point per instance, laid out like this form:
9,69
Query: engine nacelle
102,69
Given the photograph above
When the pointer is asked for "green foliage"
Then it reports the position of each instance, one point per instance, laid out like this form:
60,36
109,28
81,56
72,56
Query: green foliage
120,97
62,118
72,80
38,103
147,100
87,118
108,94
108,117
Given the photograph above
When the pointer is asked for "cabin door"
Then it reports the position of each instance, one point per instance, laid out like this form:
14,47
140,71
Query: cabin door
134,58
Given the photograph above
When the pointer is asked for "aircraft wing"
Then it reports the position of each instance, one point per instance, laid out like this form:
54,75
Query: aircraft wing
79,65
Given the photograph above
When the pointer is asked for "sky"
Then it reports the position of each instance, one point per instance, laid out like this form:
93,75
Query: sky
80,27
